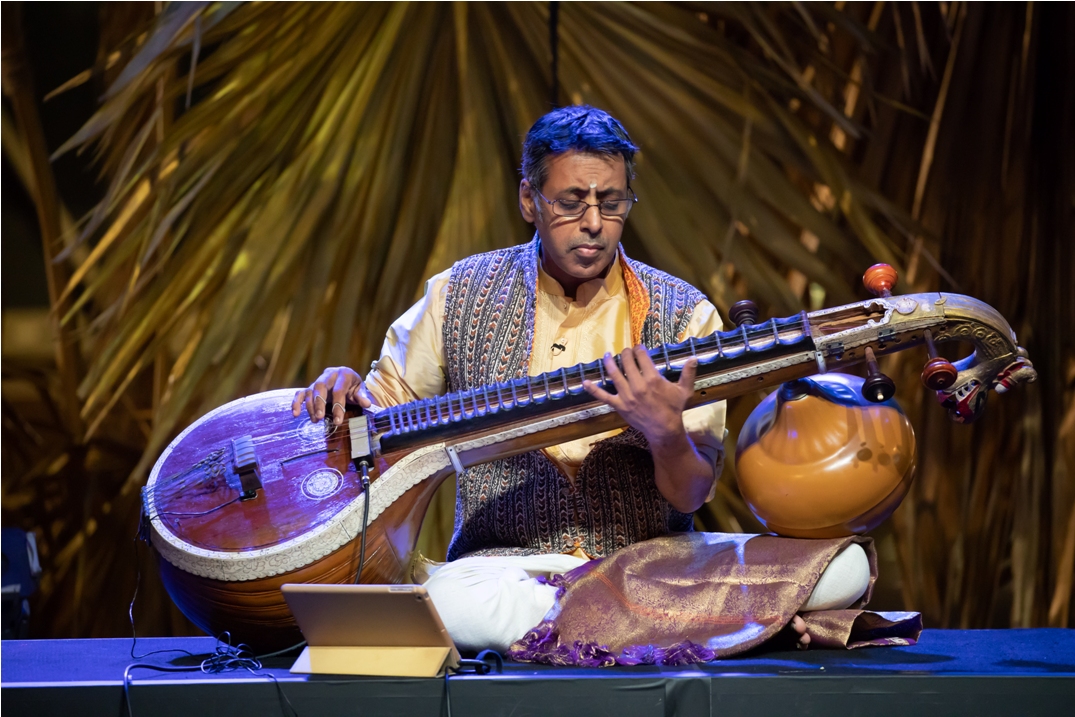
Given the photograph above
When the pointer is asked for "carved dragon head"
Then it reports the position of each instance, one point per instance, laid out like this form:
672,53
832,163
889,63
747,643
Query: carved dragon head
966,398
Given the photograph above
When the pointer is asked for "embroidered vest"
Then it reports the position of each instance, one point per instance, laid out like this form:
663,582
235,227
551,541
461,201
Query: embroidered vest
524,505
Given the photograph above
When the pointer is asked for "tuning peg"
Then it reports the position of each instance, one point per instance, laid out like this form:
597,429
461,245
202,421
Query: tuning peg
880,280
878,387
938,373
743,313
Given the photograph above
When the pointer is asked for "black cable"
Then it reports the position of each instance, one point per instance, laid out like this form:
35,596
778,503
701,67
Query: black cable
485,656
130,610
365,467
147,666
447,693
224,657
236,499
487,661
284,651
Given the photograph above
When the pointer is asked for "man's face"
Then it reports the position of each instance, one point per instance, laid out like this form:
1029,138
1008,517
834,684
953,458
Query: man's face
575,250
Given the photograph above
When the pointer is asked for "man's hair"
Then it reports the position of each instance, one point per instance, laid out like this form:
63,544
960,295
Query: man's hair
579,127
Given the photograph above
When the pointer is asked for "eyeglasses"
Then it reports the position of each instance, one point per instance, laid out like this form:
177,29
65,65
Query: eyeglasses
575,208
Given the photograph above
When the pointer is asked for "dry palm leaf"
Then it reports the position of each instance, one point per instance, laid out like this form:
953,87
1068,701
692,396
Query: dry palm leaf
338,154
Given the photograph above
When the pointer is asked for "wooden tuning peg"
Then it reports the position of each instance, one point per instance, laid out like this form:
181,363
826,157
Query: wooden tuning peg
938,373
880,280
743,313
878,387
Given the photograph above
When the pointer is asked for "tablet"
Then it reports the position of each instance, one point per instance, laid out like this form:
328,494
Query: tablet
366,615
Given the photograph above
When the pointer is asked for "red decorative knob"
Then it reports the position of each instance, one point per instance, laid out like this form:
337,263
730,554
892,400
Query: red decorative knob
880,280
938,374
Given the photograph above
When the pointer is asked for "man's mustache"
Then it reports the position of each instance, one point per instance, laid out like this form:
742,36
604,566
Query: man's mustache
575,244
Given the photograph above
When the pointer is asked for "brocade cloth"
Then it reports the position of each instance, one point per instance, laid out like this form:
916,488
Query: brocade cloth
694,597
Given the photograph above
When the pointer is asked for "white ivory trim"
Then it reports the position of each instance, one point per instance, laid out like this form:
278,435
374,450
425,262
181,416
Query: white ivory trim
720,379
535,427
298,552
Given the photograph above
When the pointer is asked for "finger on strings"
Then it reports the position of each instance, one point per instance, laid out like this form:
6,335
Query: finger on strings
623,388
689,372
311,411
297,403
630,366
357,394
339,397
602,395
646,367
320,395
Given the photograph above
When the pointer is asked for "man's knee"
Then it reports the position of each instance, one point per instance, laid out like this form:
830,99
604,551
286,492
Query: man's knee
486,605
842,583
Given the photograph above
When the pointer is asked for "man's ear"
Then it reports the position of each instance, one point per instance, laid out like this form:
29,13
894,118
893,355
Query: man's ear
526,202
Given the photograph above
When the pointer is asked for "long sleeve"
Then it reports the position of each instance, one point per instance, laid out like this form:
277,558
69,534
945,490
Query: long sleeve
705,424
411,365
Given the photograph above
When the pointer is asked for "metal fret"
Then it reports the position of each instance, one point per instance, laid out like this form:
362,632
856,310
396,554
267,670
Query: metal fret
424,414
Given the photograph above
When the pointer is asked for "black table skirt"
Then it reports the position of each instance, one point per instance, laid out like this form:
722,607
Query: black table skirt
949,672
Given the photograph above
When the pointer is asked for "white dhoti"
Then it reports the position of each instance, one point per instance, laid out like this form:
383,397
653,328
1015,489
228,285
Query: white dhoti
489,603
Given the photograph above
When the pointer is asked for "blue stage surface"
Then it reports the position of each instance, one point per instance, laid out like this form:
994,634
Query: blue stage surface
949,672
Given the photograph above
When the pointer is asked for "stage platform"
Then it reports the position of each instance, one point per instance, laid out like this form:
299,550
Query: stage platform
949,672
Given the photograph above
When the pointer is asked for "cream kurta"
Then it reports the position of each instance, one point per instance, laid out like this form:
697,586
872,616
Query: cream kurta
597,321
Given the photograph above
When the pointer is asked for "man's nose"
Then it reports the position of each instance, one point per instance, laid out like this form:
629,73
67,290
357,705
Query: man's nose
591,220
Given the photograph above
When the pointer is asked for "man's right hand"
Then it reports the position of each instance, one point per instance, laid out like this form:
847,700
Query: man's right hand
333,388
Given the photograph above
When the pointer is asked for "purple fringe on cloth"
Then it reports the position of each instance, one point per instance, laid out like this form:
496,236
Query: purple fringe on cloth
558,581
695,597
542,644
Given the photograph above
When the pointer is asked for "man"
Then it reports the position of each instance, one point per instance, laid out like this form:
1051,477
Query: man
569,296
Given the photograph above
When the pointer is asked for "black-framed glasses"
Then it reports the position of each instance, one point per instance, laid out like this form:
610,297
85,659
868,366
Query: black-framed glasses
575,208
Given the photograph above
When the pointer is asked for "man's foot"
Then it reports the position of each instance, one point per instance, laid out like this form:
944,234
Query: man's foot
799,626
